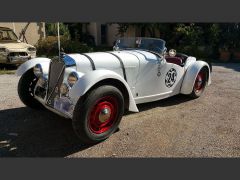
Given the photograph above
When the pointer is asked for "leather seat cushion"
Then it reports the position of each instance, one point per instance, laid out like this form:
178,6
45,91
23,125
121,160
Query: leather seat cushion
174,60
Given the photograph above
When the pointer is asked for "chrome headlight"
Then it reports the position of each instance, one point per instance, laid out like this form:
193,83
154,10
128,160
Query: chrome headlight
72,78
37,70
3,50
31,49
64,89
42,82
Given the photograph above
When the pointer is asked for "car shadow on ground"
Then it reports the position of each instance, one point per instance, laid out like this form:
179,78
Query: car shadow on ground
8,66
171,101
25,132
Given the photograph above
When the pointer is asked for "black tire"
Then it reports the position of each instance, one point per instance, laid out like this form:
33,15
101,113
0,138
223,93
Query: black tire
197,92
26,86
87,105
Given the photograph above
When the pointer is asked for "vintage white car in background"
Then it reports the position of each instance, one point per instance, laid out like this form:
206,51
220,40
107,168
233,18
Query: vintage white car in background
12,50
94,89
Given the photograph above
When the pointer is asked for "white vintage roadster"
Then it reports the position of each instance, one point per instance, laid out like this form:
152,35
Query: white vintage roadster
94,89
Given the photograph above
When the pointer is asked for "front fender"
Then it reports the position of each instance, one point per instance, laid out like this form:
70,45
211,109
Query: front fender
31,63
191,74
91,78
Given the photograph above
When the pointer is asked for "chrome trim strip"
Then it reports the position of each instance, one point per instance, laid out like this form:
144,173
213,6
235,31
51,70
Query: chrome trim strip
121,63
91,61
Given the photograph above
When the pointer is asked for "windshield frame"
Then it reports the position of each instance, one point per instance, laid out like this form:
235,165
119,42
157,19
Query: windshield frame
138,41
10,34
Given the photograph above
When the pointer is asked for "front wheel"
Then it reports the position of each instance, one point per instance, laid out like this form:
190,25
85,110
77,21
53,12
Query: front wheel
98,115
199,84
26,87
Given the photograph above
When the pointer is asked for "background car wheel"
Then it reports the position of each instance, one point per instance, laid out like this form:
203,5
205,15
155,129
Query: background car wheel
98,114
26,87
199,84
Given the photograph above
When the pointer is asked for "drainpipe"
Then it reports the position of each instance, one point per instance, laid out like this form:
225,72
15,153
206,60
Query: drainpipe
59,43
14,28
44,30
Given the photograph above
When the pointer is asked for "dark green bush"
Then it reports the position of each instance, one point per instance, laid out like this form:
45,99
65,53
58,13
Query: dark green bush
51,29
200,52
102,48
49,46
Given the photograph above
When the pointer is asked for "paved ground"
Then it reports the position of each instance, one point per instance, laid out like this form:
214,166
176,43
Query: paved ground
176,127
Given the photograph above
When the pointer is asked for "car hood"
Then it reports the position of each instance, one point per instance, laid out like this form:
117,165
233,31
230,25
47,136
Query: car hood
15,45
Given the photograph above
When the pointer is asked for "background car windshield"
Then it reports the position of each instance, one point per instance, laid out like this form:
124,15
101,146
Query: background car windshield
150,44
7,35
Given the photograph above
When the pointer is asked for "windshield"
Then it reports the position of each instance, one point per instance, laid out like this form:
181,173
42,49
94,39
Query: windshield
149,44
7,35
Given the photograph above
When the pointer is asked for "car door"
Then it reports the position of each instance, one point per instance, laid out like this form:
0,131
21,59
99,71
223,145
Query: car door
157,80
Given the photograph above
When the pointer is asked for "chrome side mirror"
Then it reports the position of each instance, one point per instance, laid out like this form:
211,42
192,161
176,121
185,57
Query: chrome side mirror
115,48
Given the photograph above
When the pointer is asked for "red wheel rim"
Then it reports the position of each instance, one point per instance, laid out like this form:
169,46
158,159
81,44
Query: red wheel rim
199,82
103,115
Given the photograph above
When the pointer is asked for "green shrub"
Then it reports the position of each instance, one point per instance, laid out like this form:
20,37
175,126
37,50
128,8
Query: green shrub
199,52
103,48
51,29
49,46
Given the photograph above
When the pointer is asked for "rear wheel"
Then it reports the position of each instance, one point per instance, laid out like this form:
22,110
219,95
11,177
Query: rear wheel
26,87
199,84
98,115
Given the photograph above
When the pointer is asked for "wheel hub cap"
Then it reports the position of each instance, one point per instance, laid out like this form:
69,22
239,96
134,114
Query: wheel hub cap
199,83
104,115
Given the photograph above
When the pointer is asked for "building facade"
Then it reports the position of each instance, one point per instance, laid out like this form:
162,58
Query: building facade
103,33
107,34
34,31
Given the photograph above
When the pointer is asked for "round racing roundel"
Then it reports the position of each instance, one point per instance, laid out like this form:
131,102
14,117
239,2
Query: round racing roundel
171,77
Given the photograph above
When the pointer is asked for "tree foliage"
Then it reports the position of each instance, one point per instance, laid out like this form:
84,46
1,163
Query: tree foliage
51,29
210,37
196,38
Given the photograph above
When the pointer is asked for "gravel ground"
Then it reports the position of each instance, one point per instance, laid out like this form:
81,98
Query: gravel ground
175,127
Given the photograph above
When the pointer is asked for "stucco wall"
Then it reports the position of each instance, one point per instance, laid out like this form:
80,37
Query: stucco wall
35,31
95,30
131,32
112,34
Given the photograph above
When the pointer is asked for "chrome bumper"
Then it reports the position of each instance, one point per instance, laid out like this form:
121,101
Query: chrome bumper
16,57
62,106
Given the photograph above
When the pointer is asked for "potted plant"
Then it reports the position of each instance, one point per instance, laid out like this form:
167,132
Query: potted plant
236,54
224,54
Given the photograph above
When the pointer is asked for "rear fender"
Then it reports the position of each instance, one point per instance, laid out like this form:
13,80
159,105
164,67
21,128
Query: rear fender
191,74
89,79
31,63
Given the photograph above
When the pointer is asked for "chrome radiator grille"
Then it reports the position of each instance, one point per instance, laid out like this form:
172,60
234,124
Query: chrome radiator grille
55,79
18,54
